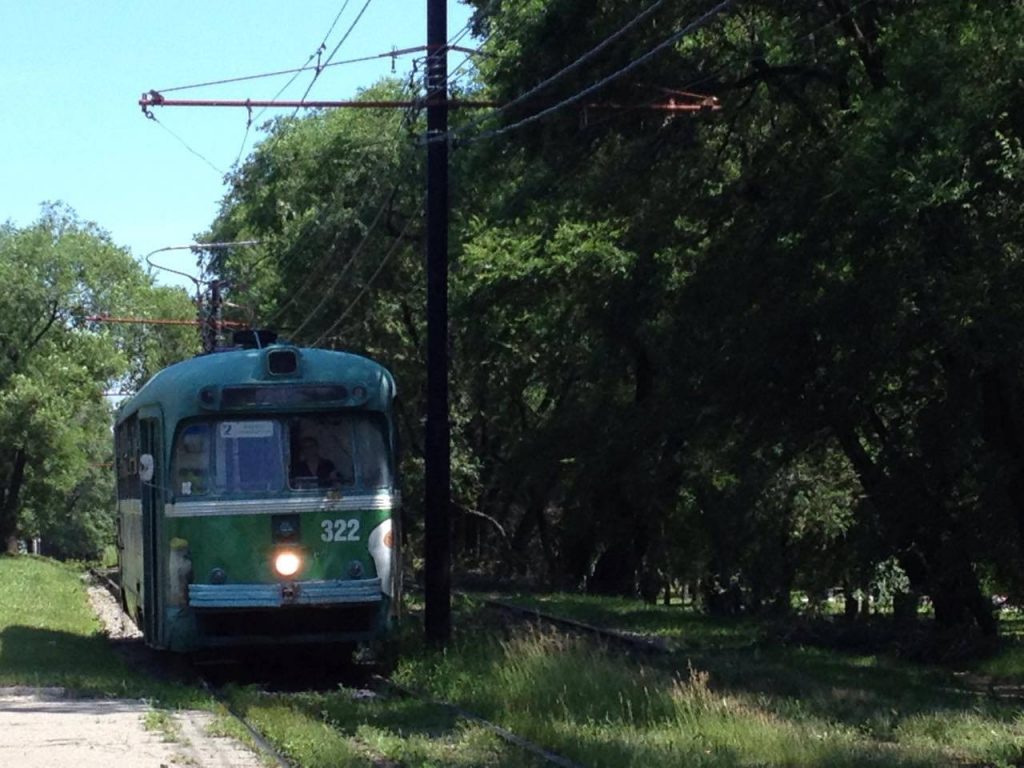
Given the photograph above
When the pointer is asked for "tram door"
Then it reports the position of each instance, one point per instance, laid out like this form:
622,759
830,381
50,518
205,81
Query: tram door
152,530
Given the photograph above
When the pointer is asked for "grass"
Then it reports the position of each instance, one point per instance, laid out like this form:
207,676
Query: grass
338,729
161,722
682,628
725,697
50,637
728,705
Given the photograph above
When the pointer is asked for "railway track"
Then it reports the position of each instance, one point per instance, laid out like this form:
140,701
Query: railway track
213,673
642,644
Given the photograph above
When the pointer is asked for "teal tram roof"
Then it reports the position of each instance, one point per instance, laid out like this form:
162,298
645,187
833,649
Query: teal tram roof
179,389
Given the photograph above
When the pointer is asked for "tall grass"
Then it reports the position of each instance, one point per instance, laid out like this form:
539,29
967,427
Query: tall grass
601,709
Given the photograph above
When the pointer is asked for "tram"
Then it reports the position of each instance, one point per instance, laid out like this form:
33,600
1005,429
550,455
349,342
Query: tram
256,499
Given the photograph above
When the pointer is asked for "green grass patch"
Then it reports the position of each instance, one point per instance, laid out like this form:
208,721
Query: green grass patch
680,626
49,636
317,730
728,705
161,721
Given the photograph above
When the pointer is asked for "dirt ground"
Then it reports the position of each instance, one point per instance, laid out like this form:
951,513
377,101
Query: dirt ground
45,728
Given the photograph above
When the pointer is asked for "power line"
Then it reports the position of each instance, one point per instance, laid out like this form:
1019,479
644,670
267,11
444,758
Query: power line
338,277
185,144
319,49
294,77
397,53
344,37
406,121
572,66
579,95
830,23
387,257
337,18
688,85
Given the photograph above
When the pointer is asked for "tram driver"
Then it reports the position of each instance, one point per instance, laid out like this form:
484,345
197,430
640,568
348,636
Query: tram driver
310,466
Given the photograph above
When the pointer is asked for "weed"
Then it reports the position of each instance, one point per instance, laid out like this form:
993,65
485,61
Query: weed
163,723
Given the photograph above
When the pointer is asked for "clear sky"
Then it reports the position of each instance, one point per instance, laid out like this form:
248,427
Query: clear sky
72,71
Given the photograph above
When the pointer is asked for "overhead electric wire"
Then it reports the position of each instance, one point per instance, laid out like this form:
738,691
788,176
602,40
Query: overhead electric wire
406,120
571,67
341,42
314,54
186,145
690,84
328,253
298,70
380,268
352,259
315,269
750,59
669,41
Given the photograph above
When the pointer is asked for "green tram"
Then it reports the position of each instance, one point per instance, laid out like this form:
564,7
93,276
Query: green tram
256,500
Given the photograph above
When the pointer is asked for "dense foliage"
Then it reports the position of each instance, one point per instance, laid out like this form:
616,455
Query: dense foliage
766,348
55,365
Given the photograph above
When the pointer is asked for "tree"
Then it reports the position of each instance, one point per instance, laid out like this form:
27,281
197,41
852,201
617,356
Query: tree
54,367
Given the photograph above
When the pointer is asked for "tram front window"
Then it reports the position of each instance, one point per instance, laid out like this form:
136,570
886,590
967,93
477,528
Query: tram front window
301,453
337,451
229,457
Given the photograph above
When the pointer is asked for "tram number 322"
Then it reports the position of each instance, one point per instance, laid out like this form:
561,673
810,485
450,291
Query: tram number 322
340,530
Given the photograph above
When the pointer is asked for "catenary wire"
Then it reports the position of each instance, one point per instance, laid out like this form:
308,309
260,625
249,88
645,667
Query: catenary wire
310,278
671,40
294,77
380,268
334,51
690,84
686,86
571,67
187,146
298,70
352,259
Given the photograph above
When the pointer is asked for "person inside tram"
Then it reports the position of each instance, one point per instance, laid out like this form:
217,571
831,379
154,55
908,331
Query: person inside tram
309,465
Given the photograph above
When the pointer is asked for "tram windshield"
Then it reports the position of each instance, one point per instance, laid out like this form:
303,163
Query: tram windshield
299,453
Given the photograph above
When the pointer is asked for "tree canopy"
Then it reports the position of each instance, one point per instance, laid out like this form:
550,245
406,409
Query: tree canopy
55,365
765,348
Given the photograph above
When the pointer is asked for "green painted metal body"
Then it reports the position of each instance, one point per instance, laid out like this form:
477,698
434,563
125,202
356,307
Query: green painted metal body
198,570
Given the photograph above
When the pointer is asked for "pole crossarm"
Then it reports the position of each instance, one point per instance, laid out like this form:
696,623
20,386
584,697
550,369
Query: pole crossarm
158,321
156,99
150,99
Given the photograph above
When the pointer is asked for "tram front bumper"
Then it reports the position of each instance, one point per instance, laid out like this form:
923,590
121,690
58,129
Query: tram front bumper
306,593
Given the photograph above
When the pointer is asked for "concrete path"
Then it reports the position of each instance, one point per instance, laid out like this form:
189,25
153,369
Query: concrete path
42,728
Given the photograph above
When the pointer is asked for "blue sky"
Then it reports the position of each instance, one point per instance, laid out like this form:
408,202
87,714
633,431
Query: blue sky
71,73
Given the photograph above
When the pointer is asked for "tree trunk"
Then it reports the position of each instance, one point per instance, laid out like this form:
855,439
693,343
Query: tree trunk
9,501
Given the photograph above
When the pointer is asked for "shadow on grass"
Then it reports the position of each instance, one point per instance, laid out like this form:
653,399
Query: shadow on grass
84,665
684,628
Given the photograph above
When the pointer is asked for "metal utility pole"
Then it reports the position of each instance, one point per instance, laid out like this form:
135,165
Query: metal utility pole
437,555
213,319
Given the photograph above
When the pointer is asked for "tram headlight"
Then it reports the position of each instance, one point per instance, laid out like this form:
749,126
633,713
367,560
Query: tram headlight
287,563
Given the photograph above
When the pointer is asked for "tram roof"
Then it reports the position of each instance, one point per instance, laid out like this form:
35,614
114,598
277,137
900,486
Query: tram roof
176,387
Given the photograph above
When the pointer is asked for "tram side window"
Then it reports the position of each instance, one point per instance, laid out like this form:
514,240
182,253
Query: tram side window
192,461
373,453
126,450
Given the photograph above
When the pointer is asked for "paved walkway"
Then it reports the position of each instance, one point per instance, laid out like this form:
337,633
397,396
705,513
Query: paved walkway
44,729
